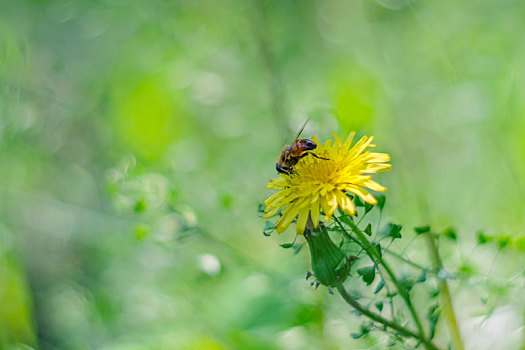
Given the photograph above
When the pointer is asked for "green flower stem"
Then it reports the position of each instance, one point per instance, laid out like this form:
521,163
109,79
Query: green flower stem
350,237
445,299
402,292
378,318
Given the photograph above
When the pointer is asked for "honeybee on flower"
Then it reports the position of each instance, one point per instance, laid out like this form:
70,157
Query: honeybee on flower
325,181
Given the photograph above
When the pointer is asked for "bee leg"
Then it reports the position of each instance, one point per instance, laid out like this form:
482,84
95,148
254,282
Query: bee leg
313,154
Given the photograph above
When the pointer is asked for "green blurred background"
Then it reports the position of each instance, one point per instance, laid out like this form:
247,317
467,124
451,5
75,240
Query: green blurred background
136,140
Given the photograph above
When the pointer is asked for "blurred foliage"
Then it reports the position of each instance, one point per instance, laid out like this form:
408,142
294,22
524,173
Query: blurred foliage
136,140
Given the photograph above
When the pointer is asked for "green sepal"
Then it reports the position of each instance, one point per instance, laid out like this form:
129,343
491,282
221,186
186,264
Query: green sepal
329,264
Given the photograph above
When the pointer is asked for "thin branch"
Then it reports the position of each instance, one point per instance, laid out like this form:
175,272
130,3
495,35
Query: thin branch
378,318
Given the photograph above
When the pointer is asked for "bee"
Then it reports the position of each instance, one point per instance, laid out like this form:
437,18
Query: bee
292,153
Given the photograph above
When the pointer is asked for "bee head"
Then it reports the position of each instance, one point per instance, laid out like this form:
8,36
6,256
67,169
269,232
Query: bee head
282,170
310,145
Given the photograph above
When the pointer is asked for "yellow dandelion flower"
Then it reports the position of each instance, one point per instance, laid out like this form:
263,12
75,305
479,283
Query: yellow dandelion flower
323,184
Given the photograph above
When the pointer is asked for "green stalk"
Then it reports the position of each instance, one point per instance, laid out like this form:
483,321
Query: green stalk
402,292
445,298
378,318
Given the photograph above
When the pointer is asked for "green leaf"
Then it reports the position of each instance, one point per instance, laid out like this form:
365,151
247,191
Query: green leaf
483,238
261,208
450,233
287,245
379,286
368,207
368,274
379,306
381,199
433,317
358,202
422,278
422,229
364,331
392,230
407,284
368,230
269,227
504,241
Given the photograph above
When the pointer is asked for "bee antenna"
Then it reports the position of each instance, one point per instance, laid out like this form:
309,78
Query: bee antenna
301,130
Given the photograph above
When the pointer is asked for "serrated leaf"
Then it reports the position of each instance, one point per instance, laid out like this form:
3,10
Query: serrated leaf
368,229
379,286
379,306
392,230
450,233
368,274
422,229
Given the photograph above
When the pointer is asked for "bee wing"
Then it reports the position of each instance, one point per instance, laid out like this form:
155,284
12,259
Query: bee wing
301,130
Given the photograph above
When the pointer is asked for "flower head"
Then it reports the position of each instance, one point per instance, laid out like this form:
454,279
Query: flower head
325,184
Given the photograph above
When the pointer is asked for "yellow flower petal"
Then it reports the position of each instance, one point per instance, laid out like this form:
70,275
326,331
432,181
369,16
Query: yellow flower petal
270,213
314,212
374,186
364,195
331,202
345,203
301,221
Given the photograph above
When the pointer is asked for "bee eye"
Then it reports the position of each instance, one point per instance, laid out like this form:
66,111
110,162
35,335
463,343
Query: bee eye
310,145
280,169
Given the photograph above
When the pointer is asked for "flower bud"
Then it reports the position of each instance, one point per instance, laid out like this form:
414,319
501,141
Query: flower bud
329,264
